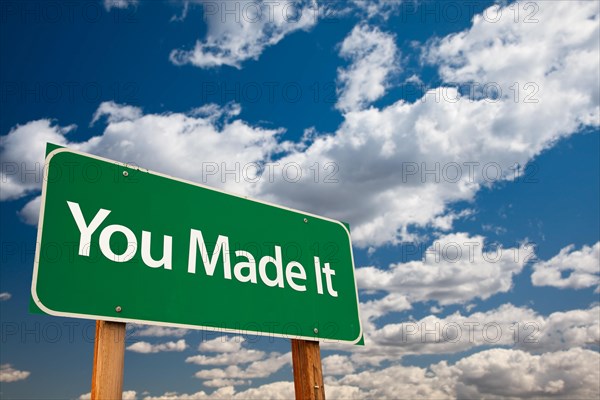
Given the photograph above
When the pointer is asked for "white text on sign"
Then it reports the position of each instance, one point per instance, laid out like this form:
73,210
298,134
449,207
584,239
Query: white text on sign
244,270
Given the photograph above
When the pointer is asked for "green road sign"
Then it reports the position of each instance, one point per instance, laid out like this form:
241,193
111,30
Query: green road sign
125,244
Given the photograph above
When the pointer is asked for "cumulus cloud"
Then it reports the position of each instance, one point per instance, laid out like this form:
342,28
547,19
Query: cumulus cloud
494,374
456,268
22,153
497,50
452,334
223,344
570,268
146,348
393,169
245,31
561,331
5,296
505,326
508,325
337,365
157,331
242,356
257,369
169,143
401,166
371,310
230,353
435,382
9,374
373,59
505,373
30,214
116,112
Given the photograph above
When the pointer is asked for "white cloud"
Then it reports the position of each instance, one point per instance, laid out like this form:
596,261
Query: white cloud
9,374
242,356
270,391
559,53
582,266
223,344
455,269
30,214
169,143
371,310
158,331
232,354
116,112
22,153
562,330
378,8
383,155
435,310
110,4
374,151
435,382
374,59
337,365
127,395
512,373
5,296
492,374
244,32
257,369
145,347
507,325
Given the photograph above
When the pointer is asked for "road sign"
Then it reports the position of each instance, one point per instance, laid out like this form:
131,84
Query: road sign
120,243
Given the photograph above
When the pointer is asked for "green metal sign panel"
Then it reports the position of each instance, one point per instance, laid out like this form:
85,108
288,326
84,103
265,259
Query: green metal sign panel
125,244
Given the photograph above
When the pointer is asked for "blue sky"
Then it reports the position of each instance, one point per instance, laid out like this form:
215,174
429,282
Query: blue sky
441,125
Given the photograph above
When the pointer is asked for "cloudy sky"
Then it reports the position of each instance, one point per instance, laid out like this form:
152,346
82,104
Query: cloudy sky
458,139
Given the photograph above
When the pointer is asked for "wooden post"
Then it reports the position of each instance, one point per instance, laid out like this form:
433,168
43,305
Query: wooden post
109,357
308,374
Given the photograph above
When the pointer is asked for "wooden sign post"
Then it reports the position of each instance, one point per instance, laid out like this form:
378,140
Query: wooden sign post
109,357
308,373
